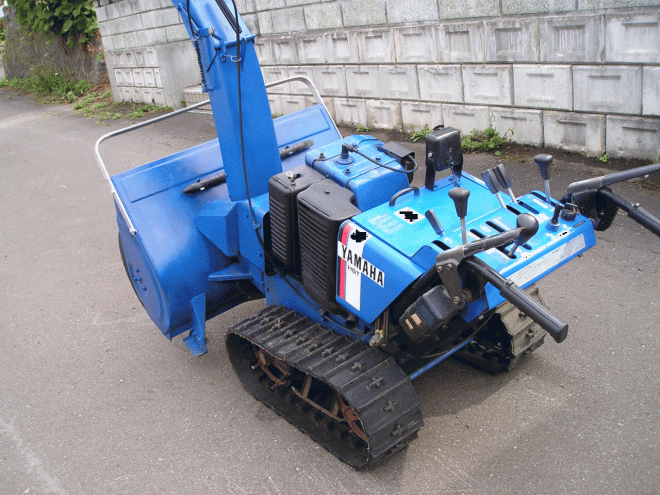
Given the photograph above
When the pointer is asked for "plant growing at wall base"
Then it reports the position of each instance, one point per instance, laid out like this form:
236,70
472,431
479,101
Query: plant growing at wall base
421,134
488,140
73,20
48,84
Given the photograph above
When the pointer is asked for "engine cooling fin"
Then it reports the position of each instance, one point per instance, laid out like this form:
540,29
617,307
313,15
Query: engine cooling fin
351,398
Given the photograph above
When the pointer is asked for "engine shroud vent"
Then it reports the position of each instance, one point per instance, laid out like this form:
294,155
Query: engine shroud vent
283,190
322,208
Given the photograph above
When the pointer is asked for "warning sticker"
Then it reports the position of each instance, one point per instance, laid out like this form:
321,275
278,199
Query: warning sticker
353,266
549,261
408,215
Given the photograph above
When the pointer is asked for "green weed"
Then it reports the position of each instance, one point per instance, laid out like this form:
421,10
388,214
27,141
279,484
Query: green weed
49,85
487,140
141,111
421,134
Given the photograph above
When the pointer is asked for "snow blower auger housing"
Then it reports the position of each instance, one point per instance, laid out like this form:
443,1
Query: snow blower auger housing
369,282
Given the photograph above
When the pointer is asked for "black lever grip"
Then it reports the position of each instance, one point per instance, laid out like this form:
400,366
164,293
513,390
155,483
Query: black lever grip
433,220
544,161
491,181
557,329
460,197
503,176
529,225
206,183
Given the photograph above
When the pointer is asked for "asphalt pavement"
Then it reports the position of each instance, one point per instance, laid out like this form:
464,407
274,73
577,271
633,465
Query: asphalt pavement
94,400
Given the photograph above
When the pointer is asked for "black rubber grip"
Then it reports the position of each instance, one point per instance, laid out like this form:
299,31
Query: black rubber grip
502,176
557,329
206,183
537,312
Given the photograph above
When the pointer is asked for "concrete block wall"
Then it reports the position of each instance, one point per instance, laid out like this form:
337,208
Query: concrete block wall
148,53
583,75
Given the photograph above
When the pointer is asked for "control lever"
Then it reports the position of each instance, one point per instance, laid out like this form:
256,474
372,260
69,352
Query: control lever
503,178
528,226
553,224
447,267
493,184
544,162
592,185
433,220
557,329
448,261
459,196
634,211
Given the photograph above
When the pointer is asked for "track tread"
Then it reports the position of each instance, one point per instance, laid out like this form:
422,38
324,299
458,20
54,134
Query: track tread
369,380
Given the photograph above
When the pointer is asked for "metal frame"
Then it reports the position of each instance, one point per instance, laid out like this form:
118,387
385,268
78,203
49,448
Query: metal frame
118,132
311,87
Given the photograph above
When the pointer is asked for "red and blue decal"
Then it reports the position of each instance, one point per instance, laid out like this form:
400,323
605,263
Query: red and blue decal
352,266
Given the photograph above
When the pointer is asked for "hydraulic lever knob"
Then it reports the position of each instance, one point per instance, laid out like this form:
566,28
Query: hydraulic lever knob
528,225
460,197
544,161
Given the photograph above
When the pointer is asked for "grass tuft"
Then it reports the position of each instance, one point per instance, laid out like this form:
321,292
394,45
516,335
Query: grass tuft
488,140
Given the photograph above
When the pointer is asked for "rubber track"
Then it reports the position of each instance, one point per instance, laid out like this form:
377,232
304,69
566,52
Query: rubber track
368,379
504,354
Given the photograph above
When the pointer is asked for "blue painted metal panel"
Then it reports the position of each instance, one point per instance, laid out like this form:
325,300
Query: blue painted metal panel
309,123
405,229
253,134
172,257
370,274
218,222
371,183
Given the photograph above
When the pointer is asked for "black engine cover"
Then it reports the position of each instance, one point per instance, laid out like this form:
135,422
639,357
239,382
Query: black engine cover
322,208
283,190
